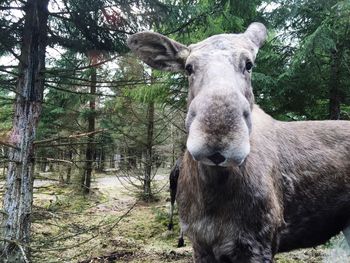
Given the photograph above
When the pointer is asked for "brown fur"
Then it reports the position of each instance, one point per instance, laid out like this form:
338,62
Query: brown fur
249,186
292,191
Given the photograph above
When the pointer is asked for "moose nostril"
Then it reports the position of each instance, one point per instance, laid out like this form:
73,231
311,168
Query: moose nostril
245,114
217,158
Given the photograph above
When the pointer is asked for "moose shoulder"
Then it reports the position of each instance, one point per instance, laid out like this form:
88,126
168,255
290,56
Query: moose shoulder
249,186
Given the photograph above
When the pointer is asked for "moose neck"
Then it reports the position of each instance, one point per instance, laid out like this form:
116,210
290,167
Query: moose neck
223,187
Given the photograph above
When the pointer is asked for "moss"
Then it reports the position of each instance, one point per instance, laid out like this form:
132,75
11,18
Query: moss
70,227
286,259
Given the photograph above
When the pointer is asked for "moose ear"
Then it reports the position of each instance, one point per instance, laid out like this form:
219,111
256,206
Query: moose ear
257,33
158,51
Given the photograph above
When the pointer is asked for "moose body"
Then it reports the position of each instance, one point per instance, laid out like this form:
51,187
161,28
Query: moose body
173,179
293,191
249,186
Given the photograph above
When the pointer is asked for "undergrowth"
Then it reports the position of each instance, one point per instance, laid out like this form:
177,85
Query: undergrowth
111,225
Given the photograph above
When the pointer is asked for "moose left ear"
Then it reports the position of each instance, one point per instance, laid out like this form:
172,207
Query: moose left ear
158,51
257,33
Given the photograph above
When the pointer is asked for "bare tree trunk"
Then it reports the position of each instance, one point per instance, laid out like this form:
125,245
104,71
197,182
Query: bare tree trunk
16,220
90,147
147,190
102,159
69,166
59,169
334,86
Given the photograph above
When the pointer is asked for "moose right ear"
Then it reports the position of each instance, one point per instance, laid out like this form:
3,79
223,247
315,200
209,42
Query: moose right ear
158,51
257,33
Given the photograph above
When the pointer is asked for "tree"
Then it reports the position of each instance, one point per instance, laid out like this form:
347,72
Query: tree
28,105
67,27
90,147
314,44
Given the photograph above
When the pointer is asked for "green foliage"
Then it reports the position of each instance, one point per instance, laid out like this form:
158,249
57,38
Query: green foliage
306,58
314,48
147,94
6,110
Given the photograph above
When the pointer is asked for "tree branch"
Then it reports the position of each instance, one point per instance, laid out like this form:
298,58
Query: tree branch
9,145
73,136
3,8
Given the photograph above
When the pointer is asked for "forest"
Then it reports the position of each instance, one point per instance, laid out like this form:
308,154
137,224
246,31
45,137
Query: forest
89,133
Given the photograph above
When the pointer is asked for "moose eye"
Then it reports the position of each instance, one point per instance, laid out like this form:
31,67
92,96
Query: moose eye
248,66
189,69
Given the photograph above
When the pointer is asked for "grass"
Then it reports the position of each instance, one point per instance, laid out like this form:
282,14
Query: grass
110,226
70,227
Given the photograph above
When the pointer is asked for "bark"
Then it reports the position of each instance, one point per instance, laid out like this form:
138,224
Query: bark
111,161
59,169
102,159
69,167
147,190
334,87
131,158
18,198
68,174
90,147
60,174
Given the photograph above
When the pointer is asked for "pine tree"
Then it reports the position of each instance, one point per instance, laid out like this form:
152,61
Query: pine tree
30,86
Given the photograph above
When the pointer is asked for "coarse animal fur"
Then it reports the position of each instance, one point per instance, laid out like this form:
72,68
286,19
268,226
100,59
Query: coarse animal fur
173,179
249,186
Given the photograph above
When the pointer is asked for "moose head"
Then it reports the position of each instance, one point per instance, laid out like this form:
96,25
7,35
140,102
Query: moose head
220,97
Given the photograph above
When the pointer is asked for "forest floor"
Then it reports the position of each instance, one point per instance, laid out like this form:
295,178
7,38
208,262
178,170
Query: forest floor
110,225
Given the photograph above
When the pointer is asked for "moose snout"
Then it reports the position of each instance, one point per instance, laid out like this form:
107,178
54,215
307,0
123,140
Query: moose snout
216,149
217,158
218,129
209,158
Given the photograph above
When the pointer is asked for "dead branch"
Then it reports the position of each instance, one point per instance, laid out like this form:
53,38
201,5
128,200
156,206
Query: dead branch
73,136
9,145
55,71
95,227
58,160
19,246
65,144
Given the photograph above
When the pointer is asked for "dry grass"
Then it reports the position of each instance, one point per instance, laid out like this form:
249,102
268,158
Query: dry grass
107,226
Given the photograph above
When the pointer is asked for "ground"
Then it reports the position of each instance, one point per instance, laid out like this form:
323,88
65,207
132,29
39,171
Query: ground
110,225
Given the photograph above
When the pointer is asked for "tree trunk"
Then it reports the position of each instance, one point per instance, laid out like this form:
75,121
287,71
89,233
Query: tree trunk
90,147
334,86
16,220
68,173
59,169
69,166
102,159
147,191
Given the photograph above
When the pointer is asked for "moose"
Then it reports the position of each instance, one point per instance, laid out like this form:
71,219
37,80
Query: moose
173,179
249,186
